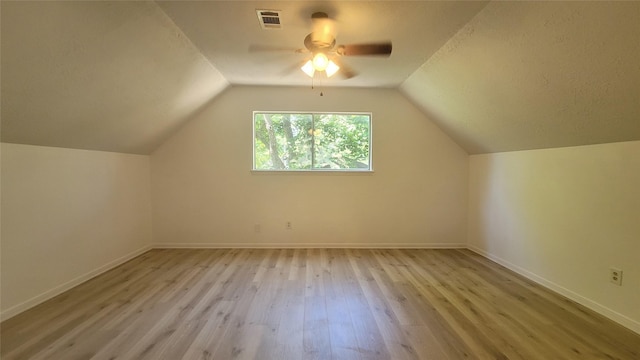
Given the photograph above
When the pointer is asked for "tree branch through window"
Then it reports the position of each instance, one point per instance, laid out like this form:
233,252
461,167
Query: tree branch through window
312,141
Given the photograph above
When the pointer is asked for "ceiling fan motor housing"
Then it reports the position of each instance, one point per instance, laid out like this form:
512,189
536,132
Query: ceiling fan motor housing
322,37
315,42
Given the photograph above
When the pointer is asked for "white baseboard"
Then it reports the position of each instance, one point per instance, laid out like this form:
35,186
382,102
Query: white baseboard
36,300
309,245
600,309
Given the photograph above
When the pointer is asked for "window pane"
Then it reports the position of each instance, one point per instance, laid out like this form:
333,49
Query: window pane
341,141
282,141
312,141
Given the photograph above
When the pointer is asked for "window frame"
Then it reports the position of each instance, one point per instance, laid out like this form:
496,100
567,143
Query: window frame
312,170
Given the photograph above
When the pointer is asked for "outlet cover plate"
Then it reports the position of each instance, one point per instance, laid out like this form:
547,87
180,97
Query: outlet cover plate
615,276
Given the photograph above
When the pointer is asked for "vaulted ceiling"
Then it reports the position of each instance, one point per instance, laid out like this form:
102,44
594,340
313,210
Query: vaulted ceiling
496,76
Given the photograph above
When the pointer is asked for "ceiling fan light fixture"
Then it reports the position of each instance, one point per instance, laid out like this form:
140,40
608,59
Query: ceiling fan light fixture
320,61
308,68
332,68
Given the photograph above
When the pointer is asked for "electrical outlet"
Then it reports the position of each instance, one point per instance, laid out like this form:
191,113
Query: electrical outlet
257,228
288,225
615,276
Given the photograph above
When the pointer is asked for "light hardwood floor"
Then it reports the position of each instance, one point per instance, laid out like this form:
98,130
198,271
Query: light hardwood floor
313,304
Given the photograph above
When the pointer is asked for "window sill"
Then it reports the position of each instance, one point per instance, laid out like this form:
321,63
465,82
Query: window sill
308,172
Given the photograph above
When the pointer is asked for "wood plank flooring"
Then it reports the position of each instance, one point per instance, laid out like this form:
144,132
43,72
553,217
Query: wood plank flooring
312,304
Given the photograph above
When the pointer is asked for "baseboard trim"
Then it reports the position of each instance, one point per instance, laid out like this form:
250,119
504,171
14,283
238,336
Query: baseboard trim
309,246
600,309
36,300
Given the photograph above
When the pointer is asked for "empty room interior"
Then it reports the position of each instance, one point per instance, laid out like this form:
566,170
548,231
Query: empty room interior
320,180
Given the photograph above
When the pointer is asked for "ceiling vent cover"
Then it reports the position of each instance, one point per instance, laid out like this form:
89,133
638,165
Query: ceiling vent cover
269,19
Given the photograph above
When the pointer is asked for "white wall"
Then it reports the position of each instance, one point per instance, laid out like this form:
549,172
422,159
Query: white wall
563,217
204,193
68,215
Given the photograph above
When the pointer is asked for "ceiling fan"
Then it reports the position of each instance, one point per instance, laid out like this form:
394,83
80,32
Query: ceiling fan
321,44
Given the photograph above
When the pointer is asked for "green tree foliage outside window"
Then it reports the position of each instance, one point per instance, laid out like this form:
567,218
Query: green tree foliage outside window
312,141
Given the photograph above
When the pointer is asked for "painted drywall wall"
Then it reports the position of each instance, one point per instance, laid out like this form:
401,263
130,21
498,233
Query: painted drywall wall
68,215
205,194
563,217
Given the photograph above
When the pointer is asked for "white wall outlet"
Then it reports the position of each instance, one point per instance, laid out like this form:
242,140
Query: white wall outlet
288,225
615,276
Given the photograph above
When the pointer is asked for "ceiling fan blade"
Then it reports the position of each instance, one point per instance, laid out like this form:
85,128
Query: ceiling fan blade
346,72
293,68
378,49
256,48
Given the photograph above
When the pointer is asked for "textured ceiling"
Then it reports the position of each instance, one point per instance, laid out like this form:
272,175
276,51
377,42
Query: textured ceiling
113,76
500,76
529,75
224,32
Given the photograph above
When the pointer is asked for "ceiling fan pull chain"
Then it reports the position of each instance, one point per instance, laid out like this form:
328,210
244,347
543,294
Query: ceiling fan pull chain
312,88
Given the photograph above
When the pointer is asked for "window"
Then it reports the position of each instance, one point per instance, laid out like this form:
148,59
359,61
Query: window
285,141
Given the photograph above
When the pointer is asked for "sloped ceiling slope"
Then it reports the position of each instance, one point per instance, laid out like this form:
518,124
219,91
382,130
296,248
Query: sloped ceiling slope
499,76
112,76
530,75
